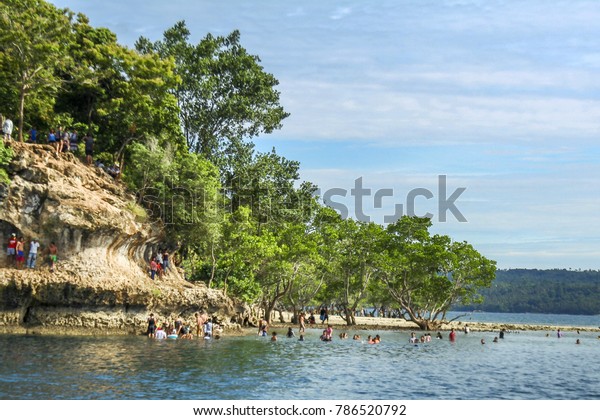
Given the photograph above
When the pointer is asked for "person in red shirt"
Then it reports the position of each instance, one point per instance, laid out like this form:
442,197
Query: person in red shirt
11,250
153,268
452,335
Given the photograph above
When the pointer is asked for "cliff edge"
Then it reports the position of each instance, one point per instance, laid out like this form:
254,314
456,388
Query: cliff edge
100,285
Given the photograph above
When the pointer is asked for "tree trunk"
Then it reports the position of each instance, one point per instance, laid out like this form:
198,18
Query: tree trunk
21,113
214,264
295,315
350,319
269,306
426,324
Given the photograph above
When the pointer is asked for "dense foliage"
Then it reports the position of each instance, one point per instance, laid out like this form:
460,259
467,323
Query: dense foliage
179,118
542,291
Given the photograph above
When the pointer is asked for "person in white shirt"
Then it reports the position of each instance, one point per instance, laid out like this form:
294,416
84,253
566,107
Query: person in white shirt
208,328
33,251
7,128
160,334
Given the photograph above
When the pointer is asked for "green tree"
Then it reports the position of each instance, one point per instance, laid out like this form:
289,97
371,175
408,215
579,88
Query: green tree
289,266
241,254
181,190
427,274
266,183
353,251
127,95
224,94
34,37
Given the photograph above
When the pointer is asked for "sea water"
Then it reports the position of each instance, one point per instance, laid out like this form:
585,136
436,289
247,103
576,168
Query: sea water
524,365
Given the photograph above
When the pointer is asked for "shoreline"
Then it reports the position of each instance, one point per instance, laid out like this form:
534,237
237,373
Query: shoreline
362,324
397,324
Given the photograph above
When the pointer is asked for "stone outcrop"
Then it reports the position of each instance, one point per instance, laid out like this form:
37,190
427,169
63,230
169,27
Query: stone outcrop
101,285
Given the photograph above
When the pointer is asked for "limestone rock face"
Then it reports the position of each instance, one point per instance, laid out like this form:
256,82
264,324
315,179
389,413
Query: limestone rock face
101,285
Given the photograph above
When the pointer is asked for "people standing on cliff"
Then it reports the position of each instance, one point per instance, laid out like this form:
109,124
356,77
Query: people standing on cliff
20,252
11,251
7,129
73,142
151,326
65,143
52,141
153,268
165,257
33,135
34,246
159,264
59,136
52,255
89,148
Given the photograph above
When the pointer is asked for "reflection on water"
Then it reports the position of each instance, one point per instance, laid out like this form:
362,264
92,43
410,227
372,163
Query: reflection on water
523,366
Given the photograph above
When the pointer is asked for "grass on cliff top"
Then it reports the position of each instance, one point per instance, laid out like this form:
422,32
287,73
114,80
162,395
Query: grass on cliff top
138,212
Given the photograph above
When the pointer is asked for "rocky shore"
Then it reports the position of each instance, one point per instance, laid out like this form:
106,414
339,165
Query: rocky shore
101,284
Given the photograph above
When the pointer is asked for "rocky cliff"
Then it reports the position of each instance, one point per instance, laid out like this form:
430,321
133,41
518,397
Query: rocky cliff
101,285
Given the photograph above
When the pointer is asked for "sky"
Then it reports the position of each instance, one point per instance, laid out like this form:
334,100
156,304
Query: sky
484,114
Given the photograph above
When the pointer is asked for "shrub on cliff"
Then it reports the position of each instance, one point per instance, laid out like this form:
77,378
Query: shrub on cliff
6,154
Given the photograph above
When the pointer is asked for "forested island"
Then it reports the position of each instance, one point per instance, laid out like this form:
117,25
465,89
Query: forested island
556,291
177,118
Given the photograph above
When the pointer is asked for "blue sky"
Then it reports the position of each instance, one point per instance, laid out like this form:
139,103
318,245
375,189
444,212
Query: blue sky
501,97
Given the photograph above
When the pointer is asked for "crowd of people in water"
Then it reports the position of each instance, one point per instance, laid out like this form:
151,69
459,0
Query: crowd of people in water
203,327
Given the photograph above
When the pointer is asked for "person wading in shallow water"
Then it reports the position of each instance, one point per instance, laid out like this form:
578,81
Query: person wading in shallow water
200,320
452,335
151,326
301,322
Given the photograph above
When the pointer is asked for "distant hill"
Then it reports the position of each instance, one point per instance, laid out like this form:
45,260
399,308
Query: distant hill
542,291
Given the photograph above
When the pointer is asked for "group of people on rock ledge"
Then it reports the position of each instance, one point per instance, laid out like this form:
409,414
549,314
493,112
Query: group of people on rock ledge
159,263
15,253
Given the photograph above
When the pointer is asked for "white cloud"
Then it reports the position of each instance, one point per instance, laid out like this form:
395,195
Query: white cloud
341,12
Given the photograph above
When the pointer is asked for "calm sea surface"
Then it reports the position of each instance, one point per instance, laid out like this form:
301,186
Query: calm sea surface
525,365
